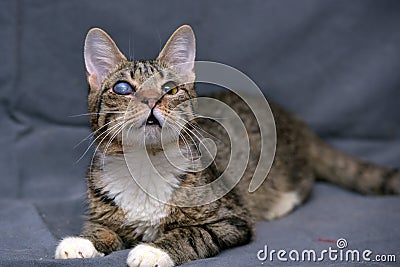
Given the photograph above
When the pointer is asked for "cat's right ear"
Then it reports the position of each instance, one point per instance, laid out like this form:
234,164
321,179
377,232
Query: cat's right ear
101,56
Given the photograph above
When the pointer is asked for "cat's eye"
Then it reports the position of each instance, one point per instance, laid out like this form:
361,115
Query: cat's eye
123,88
170,88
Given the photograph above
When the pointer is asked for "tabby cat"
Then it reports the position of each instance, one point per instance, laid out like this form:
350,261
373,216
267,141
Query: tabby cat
130,103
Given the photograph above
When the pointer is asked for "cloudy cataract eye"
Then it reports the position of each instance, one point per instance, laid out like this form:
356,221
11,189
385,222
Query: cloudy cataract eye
123,88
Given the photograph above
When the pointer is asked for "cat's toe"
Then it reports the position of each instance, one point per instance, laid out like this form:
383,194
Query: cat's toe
148,256
76,247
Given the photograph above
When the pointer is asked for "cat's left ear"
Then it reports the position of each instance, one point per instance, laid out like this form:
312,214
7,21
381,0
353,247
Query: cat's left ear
101,56
180,52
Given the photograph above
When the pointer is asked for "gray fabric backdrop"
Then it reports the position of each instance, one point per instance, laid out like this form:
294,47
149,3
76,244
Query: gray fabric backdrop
333,63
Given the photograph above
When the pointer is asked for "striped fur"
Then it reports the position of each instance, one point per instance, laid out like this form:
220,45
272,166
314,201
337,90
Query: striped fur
175,235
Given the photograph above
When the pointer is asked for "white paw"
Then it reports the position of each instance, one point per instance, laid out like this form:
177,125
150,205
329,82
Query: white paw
148,256
76,247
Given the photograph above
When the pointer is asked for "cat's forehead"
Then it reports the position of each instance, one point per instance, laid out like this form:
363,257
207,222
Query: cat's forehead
151,72
146,69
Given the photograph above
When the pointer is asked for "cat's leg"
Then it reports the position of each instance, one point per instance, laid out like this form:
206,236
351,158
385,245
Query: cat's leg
280,193
95,241
189,243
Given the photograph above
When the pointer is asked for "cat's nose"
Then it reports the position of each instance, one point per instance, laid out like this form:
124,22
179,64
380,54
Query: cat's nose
150,101
149,98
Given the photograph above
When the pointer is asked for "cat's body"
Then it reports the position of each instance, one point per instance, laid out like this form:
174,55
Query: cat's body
123,212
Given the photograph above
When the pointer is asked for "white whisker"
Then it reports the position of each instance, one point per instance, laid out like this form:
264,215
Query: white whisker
96,113
106,133
93,133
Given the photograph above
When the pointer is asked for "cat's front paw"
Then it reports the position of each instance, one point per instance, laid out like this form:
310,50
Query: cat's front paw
148,256
76,247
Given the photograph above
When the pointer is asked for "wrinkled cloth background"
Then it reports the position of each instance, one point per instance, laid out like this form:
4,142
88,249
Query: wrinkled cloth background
335,64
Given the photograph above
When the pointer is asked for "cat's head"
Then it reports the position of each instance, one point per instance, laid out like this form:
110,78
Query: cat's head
137,98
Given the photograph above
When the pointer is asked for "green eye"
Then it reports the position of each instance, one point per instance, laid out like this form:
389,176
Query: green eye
173,91
170,88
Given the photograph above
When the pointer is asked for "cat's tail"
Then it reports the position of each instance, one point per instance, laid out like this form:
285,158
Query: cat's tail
337,167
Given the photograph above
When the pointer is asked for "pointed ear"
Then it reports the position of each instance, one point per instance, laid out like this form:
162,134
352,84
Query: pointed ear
180,51
101,56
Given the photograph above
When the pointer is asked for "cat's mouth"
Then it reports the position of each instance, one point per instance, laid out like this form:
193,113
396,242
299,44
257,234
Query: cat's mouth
152,121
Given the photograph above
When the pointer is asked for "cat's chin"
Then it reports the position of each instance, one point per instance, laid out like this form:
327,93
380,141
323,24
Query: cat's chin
152,135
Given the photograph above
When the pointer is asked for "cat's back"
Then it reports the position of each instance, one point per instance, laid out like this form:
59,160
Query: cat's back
289,133
290,171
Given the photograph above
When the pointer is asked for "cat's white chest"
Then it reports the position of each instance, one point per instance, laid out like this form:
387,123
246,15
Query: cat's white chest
138,190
